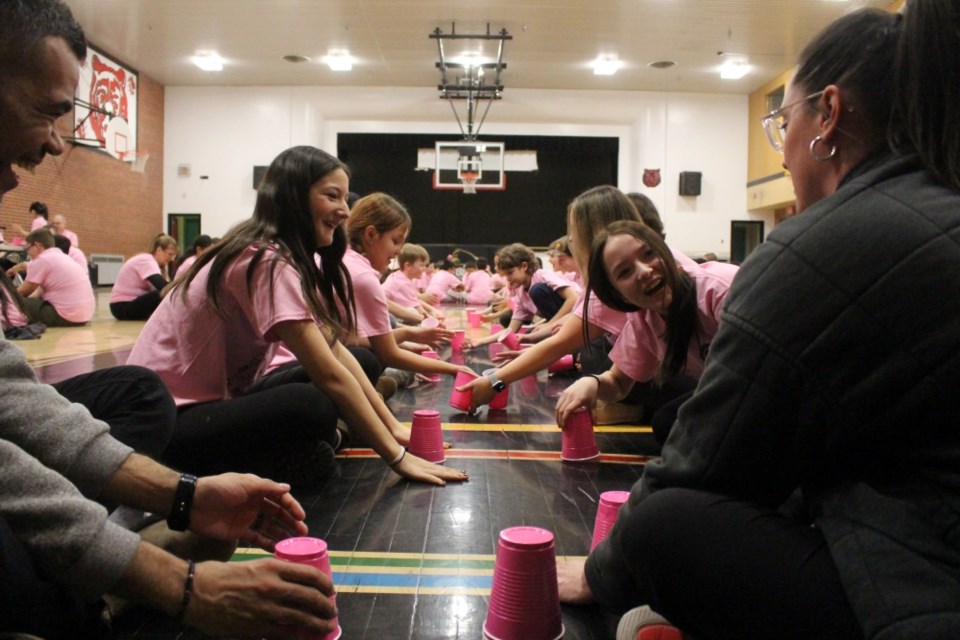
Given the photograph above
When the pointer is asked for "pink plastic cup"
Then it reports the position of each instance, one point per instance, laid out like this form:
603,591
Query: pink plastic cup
563,364
311,551
524,600
426,436
494,348
462,399
511,341
607,510
499,400
473,319
495,328
430,322
433,355
457,342
579,442
529,385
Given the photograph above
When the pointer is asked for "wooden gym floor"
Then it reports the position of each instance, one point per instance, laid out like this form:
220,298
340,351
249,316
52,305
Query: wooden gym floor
412,561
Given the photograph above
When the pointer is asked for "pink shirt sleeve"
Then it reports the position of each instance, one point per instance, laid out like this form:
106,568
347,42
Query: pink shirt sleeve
373,318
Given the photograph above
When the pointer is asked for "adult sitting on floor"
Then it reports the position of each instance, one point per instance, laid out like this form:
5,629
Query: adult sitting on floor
65,295
136,292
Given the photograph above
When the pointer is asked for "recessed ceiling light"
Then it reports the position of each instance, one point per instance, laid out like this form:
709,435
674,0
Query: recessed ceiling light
208,61
606,65
734,70
339,61
662,64
295,58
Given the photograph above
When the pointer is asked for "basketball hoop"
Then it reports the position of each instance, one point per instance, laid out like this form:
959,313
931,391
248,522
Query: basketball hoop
469,180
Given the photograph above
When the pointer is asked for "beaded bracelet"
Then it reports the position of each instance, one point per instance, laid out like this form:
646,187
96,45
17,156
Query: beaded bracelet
396,461
594,376
187,589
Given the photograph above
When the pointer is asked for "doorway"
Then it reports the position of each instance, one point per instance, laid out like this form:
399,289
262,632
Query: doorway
745,236
184,228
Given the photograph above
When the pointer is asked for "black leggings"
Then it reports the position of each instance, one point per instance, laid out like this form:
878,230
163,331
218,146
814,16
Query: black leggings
281,411
721,568
140,308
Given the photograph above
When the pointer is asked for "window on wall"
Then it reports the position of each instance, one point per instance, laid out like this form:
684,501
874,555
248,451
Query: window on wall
532,208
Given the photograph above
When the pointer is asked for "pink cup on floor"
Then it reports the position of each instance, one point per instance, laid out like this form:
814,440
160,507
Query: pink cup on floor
563,364
579,442
430,322
462,399
511,341
456,343
311,551
499,400
426,436
607,510
433,355
524,600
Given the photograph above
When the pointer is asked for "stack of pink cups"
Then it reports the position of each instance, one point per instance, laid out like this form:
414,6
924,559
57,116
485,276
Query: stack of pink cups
607,510
473,318
311,551
565,363
510,341
579,442
426,436
433,355
524,600
456,344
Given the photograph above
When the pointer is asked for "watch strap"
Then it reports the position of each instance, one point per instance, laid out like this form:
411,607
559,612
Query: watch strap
495,382
179,517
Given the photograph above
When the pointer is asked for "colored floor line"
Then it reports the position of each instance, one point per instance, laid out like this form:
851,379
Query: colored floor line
510,454
405,573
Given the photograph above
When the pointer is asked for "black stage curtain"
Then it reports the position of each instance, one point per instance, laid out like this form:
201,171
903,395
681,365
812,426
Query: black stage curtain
531,210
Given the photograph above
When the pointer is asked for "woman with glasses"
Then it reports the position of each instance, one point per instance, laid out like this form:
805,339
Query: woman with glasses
810,488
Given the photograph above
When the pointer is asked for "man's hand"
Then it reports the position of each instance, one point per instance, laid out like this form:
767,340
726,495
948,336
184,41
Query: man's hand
255,510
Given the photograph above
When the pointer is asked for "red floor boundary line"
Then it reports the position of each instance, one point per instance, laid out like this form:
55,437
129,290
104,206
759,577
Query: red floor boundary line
510,454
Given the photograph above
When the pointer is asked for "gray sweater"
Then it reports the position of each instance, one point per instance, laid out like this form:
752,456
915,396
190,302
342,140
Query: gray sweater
52,454
835,371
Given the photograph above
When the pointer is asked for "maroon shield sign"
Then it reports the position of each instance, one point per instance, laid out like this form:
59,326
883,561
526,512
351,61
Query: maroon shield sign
651,177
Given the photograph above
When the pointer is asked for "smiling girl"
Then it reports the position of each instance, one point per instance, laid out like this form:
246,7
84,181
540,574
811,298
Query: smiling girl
219,326
672,316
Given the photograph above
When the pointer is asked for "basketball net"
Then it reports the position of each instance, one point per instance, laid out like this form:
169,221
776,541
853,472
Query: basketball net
469,180
138,161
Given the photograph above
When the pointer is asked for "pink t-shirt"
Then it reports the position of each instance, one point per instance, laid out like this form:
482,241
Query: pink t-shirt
186,264
525,308
65,284
497,281
39,222
401,289
14,317
640,349
74,241
600,315
203,356
77,256
131,282
441,283
373,318
423,281
477,285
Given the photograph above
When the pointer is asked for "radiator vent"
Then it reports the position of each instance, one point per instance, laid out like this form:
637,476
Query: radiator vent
108,266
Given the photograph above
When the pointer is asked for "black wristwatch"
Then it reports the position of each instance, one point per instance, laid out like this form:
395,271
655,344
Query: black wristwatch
495,382
179,518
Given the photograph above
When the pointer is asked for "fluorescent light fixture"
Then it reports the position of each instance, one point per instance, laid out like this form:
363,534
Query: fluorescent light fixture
208,61
339,61
734,70
606,65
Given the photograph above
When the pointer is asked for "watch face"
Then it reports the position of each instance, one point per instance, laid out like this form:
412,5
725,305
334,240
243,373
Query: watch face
499,386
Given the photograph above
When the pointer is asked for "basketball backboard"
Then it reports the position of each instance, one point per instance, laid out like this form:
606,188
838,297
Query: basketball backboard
481,161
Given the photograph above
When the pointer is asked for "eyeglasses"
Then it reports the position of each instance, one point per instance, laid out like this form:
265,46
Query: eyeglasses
774,125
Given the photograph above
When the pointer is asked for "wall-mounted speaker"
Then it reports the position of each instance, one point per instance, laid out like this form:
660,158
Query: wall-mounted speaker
258,173
690,183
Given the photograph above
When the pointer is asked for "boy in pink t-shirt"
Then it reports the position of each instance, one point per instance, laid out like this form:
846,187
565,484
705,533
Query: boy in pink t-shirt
444,285
66,295
400,286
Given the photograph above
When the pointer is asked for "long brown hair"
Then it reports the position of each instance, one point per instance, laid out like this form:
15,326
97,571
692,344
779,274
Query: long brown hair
681,316
282,220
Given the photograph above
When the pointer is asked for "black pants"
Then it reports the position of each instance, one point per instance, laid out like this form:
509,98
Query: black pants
721,568
281,411
140,308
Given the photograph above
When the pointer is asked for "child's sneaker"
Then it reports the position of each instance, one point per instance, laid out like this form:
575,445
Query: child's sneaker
643,623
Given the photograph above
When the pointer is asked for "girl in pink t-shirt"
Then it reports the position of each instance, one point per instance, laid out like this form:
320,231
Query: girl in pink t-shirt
672,317
377,229
444,285
217,328
136,291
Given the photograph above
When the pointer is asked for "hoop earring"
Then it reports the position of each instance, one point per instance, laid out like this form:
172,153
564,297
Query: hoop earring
813,143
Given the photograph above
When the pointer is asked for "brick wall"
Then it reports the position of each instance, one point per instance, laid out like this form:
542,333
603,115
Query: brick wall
111,208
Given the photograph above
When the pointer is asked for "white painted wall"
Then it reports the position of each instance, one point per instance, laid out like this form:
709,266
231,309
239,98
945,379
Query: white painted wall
222,132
